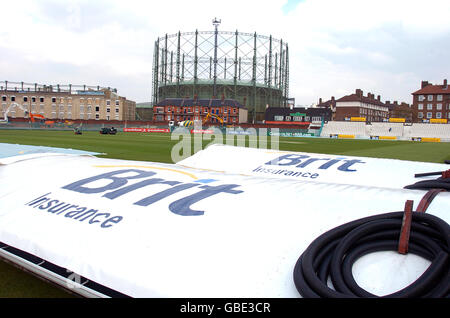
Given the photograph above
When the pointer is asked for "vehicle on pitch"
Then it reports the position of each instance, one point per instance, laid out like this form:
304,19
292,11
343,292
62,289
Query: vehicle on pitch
108,131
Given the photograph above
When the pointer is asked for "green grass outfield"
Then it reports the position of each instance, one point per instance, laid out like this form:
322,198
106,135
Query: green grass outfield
157,148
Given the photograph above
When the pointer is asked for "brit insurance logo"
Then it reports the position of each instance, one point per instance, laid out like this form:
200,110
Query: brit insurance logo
115,184
306,166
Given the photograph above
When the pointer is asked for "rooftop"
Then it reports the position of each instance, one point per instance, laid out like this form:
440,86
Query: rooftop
359,97
428,88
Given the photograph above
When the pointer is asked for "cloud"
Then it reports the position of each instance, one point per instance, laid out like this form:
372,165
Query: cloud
386,47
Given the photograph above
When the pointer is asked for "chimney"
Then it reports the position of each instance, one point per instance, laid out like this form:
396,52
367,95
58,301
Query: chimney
424,83
395,103
359,92
379,98
387,102
320,100
445,84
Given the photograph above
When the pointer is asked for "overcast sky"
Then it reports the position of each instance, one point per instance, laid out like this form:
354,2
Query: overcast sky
386,47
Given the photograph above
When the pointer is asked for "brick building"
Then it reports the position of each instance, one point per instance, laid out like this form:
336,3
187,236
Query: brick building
358,105
297,115
64,102
432,102
181,109
330,104
401,110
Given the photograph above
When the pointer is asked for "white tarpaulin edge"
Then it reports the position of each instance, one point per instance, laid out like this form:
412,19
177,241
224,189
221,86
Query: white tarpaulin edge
161,230
311,167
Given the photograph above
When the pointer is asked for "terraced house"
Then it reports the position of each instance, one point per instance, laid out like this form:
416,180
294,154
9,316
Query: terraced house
64,102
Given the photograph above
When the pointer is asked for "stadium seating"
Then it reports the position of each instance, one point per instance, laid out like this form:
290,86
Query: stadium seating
343,128
385,129
398,130
431,130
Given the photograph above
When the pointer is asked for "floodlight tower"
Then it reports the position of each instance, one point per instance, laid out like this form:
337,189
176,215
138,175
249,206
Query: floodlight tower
216,24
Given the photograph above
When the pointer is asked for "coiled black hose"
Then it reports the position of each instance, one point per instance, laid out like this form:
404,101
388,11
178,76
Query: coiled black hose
333,253
439,183
443,182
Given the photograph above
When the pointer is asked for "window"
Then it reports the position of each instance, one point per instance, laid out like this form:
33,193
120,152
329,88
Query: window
421,98
97,116
25,99
117,110
439,115
108,103
33,99
53,99
108,110
117,103
430,98
429,106
3,98
439,106
439,98
41,99
429,115
97,108
13,98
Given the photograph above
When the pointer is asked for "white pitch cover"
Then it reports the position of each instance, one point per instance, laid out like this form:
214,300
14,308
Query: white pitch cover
164,230
312,167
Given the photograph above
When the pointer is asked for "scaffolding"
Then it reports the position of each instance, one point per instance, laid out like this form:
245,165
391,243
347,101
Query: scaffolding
248,67
23,87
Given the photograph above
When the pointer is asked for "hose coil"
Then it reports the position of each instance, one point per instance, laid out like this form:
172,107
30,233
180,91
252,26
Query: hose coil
333,254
